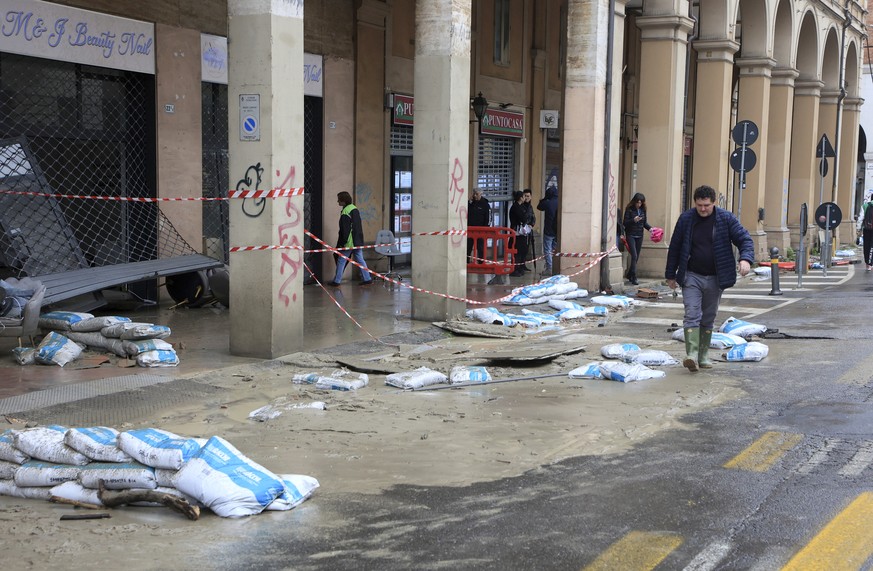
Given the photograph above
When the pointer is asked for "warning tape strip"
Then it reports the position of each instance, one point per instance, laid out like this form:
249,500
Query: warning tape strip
274,193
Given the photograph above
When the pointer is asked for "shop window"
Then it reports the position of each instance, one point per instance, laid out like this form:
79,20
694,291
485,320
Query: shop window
501,32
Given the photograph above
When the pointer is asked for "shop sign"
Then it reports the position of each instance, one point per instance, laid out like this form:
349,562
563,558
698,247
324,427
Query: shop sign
55,32
213,59
503,123
404,108
312,75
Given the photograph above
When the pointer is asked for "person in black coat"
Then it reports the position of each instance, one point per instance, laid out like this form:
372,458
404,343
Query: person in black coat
634,223
549,205
517,218
478,214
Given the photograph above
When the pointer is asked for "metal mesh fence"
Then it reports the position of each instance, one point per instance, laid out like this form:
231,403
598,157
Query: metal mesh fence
71,129
216,222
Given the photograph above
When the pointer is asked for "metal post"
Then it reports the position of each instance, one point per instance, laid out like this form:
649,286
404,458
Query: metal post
826,247
774,271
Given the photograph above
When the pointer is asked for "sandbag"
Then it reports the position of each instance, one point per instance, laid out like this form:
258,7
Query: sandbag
61,320
132,331
134,348
97,323
76,492
118,475
47,443
157,448
416,379
742,328
619,350
8,451
752,351
24,355
35,473
297,489
588,371
55,349
469,374
626,372
490,315
227,482
96,340
652,357
97,443
9,488
7,469
158,358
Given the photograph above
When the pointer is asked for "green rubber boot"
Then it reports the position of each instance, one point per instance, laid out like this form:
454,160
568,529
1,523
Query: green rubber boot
703,360
692,348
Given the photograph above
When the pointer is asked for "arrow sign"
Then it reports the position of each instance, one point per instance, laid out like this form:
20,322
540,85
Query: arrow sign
824,148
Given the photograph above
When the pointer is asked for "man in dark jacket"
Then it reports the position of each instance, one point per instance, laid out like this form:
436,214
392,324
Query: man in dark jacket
351,238
549,205
478,214
700,259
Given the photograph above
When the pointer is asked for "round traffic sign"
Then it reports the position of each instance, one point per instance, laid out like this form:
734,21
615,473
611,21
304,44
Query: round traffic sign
743,159
250,124
745,132
828,215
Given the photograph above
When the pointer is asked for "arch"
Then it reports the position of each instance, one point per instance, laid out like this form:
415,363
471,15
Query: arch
852,70
753,24
830,61
807,47
783,31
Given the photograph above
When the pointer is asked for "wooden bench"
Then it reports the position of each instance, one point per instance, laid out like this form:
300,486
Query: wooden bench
73,283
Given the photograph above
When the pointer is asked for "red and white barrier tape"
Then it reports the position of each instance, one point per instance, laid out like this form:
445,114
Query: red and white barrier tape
275,193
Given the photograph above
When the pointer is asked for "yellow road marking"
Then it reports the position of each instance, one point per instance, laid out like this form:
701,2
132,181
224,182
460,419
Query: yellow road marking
761,454
636,551
846,542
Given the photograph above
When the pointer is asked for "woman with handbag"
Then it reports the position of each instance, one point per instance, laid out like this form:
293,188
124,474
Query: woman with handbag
634,223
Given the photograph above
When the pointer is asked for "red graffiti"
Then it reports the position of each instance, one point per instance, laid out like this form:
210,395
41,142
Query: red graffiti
457,191
613,201
293,258
289,179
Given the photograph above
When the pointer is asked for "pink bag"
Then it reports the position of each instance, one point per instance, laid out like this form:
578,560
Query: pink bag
657,234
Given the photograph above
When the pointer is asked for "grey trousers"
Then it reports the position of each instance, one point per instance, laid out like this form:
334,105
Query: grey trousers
701,296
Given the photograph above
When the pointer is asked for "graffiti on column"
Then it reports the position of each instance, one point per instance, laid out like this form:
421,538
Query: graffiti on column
292,259
456,199
252,207
613,202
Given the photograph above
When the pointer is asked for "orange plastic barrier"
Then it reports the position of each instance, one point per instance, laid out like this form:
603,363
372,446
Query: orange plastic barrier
492,260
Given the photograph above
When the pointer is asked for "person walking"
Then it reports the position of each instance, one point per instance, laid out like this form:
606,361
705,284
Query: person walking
635,223
351,238
517,217
549,206
865,227
530,219
478,214
700,260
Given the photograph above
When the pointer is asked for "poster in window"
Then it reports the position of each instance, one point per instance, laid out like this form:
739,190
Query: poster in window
406,223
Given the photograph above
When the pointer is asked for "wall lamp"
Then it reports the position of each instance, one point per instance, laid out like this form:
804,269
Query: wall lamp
480,106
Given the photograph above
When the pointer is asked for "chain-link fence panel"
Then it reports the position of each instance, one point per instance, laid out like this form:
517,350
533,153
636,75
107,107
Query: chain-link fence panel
216,221
71,129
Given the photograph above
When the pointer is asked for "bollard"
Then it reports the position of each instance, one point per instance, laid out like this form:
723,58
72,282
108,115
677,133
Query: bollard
774,271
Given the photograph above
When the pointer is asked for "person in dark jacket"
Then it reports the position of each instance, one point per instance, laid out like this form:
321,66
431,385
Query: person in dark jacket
549,205
634,225
701,260
478,214
530,219
350,240
517,217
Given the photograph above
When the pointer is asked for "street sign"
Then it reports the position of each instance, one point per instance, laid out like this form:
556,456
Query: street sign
823,166
828,215
804,219
743,159
824,148
745,133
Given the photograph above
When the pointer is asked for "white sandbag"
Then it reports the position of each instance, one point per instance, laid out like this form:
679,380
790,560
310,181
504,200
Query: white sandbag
158,358
227,482
588,371
97,323
97,443
544,318
282,405
719,340
619,350
469,374
7,469
528,321
133,348
490,315
8,451
35,473
132,331
626,372
576,293
559,279
613,301
593,311
742,328
24,355
157,448
61,320
9,488
563,304
165,478
764,271
335,384
297,489
55,349
652,358
752,351
118,475
76,492
519,299
47,443
416,379
96,340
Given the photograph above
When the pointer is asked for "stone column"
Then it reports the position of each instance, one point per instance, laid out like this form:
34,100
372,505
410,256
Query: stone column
370,141
265,40
754,106
712,114
537,148
582,121
803,172
441,161
848,171
661,136
779,158
827,125
616,271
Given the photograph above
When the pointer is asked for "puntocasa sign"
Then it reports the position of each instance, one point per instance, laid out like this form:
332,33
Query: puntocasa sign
495,122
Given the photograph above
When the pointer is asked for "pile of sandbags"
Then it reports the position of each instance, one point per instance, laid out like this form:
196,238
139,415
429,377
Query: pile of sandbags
69,464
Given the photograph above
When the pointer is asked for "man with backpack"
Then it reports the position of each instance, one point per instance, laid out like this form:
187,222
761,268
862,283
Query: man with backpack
865,225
